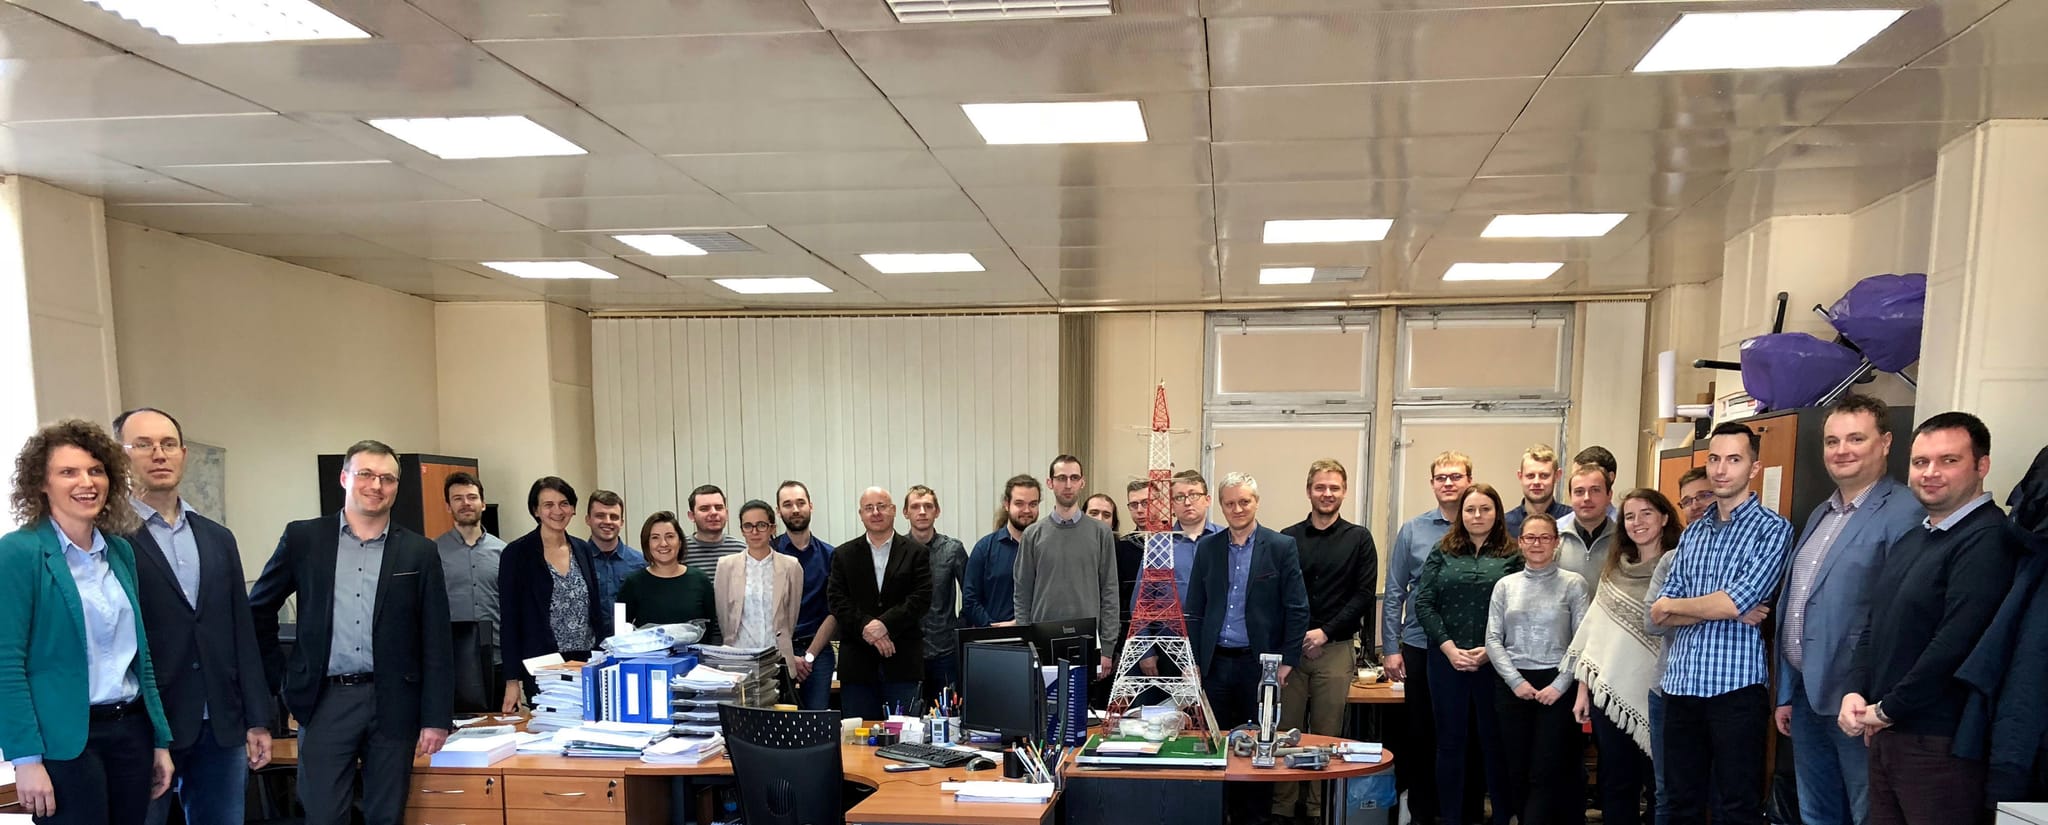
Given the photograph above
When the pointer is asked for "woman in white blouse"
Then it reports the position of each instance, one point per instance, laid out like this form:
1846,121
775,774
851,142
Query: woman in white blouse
758,590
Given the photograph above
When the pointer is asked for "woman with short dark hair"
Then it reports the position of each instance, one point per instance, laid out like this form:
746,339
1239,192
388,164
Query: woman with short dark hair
547,590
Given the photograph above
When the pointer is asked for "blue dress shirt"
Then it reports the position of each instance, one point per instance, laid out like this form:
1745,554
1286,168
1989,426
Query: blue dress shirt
1233,633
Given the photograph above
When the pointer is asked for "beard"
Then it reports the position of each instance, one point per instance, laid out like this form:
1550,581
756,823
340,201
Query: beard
1019,526
797,524
468,519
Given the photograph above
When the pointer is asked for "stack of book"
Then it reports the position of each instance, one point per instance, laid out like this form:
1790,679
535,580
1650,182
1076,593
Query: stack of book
684,750
476,747
560,703
696,695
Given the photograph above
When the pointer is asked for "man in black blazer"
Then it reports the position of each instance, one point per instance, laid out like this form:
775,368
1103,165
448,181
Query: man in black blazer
370,676
880,615
195,606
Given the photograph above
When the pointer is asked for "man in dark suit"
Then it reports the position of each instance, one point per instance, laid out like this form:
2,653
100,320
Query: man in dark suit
195,606
880,588
1245,599
370,675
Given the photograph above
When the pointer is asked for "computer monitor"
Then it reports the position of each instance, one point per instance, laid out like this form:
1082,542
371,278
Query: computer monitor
1002,690
1071,641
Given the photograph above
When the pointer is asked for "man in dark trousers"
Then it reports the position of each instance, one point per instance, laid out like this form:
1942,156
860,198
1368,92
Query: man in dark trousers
195,605
371,675
1341,568
880,588
1933,594
1245,599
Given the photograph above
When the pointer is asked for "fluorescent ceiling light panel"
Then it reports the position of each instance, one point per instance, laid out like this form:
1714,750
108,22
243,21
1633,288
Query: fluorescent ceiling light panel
1343,230
466,138
922,263
957,11
189,22
1706,41
1091,121
550,270
772,286
1554,225
1273,275
660,245
1501,272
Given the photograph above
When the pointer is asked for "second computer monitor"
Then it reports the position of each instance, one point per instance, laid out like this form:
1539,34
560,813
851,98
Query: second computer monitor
1071,641
1001,689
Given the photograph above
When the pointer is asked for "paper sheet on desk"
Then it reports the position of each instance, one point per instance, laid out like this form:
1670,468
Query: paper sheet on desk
986,791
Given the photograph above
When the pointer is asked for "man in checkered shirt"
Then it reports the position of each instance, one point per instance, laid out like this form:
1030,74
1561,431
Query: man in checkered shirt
1717,710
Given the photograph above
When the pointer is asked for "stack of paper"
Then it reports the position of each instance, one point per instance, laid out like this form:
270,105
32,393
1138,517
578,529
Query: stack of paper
684,750
614,739
1030,793
655,639
535,743
1369,753
464,751
560,701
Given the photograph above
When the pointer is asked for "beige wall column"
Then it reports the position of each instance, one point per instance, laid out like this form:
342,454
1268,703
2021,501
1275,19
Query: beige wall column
515,395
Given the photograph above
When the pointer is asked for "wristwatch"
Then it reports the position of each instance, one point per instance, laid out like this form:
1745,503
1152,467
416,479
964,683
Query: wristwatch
1877,710
810,657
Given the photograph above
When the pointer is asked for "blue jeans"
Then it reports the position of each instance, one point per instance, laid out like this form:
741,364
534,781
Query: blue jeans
1458,699
1833,769
210,781
875,700
815,693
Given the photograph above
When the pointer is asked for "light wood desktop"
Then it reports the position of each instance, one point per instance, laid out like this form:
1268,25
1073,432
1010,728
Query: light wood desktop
1376,693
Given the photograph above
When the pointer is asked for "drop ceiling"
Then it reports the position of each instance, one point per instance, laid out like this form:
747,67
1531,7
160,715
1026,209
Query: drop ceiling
819,130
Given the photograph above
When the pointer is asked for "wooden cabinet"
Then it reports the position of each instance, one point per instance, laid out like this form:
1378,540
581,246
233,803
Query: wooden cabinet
565,793
454,790
1792,475
454,816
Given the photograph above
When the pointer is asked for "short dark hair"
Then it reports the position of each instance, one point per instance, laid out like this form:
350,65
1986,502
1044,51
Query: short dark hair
755,504
658,517
708,490
1749,436
1980,435
788,484
920,490
1016,481
606,498
1858,403
367,445
1138,484
1601,457
555,483
122,421
1458,542
1692,475
1063,458
458,479
1116,522
1191,477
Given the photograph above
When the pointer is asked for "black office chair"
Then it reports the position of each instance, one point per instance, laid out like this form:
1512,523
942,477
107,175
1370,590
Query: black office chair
786,764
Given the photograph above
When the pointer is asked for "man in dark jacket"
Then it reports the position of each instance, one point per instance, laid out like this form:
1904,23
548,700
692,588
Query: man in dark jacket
880,588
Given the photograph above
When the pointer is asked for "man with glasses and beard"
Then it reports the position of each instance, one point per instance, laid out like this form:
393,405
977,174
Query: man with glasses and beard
469,561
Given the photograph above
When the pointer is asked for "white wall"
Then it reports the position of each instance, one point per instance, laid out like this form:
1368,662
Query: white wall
274,362
515,395
1133,353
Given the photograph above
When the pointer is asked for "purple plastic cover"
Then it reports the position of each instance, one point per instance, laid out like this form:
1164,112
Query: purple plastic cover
1788,370
1881,315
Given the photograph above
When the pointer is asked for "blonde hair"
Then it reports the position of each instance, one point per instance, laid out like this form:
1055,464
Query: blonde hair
1452,457
1327,465
1541,454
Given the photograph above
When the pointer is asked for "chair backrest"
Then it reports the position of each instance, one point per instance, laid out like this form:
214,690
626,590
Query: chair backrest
786,764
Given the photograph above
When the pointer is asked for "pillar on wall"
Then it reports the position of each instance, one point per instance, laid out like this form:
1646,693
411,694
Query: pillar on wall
515,384
1984,348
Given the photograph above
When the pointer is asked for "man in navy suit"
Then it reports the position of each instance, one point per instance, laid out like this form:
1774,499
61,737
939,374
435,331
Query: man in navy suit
1245,598
1825,597
196,608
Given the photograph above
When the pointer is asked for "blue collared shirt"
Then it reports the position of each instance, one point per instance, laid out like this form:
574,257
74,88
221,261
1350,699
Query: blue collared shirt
1055,516
1183,560
1742,557
1233,633
612,569
1558,510
180,546
1412,546
110,643
1957,517
816,560
989,593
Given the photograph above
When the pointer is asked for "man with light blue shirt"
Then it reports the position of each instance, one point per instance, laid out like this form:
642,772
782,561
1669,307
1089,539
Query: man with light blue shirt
988,596
1189,503
195,606
1715,699
815,627
1401,639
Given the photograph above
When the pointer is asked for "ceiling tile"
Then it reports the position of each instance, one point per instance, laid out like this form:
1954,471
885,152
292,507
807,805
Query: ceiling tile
1891,144
943,236
1666,150
1244,208
1698,100
628,70
327,245
575,176
1305,161
25,34
745,264
1169,118
428,216
1138,261
2011,36
417,277
212,219
518,19
1956,94
631,277
168,141
1012,60
370,77
1265,8
1109,231
99,87
137,187
1393,46
1102,164
1290,113
814,171
1621,33
852,15
1041,203
1588,193
882,205
393,20
487,246
624,213
718,127
277,183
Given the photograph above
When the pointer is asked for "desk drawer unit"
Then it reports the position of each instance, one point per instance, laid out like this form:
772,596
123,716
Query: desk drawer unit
454,816
565,793
456,790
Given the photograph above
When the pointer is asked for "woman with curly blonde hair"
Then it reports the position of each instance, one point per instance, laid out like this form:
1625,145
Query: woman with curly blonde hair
85,728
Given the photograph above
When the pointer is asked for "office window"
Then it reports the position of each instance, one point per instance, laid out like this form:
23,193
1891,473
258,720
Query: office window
1277,360
1504,353
1494,439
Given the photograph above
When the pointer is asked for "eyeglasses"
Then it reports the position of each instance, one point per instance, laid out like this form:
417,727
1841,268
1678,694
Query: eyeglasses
367,476
1183,498
1693,499
1448,478
756,526
876,508
167,446
1539,540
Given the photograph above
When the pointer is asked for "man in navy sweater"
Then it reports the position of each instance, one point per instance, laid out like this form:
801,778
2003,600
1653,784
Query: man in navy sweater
1939,586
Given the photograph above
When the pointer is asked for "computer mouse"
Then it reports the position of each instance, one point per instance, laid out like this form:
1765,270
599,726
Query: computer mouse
981,764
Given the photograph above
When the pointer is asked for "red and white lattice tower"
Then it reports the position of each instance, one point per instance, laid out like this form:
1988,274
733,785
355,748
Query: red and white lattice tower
1158,627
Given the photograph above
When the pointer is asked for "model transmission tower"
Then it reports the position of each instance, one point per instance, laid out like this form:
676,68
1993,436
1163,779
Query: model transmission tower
1158,627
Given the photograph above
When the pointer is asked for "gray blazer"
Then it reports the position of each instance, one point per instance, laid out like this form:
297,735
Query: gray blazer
1840,603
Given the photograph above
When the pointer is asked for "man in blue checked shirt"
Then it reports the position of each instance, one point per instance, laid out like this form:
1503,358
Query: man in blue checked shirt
1717,709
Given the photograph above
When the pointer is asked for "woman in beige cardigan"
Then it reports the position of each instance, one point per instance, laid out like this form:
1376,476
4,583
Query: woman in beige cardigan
758,591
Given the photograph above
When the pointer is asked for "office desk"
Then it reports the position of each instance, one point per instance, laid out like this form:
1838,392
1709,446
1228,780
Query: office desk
1179,795
1367,708
537,790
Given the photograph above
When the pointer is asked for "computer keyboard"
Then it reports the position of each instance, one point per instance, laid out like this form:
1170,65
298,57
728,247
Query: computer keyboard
932,755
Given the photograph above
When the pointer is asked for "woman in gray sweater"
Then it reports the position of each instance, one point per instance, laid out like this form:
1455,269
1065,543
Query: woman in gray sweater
1529,626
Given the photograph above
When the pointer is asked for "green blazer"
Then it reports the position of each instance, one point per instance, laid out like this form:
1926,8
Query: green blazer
43,694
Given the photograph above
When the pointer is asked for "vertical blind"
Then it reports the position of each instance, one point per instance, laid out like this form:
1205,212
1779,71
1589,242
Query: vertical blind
956,403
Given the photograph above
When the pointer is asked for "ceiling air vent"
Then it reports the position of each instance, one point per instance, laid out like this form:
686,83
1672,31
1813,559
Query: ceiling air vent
1326,274
945,11
716,242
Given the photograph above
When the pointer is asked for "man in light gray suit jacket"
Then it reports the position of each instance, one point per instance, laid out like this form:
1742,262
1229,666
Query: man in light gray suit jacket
1826,601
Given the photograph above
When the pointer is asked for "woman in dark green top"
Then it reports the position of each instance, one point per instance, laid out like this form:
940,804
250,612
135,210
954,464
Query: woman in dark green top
1451,601
667,592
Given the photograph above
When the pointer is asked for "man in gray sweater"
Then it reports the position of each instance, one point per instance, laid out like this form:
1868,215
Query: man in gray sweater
1066,564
